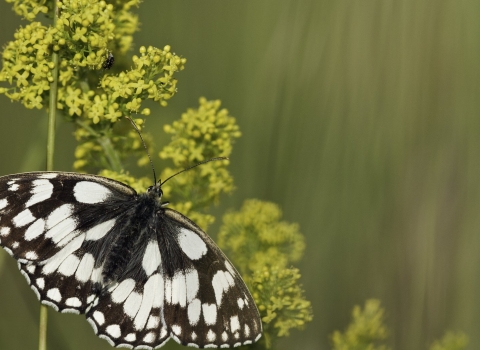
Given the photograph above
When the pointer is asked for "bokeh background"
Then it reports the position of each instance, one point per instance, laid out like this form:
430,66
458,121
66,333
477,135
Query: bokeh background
361,119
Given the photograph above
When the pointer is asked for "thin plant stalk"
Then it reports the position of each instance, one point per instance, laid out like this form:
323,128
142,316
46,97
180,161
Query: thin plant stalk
42,329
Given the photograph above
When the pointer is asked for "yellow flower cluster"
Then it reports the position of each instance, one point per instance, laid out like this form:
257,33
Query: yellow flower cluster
365,331
27,66
258,223
85,28
29,9
84,33
280,300
150,78
451,341
200,134
262,247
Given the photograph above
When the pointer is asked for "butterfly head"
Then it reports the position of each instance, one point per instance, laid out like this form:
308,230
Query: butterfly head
156,192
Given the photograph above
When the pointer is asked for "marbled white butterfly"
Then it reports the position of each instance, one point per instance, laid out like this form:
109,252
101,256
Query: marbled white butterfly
141,273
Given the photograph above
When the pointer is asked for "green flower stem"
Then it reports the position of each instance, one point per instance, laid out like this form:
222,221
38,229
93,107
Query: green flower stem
106,144
42,338
52,104
42,329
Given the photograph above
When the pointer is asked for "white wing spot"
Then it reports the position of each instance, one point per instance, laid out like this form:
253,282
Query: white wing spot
193,311
258,337
85,268
221,284
192,245
23,218
132,304
90,192
131,337
54,294
209,313
41,191
211,336
240,303
194,336
74,302
224,336
54,262
15,245
96,274
99,231
247,331
151,258
69,265
40,282
160,291
149,337
153,322
193,284
147,302
230,267
123,290
177,329
35,230
31,256
30,268
61,229
179,289
99,317
168,290
3,203
61,213
4,231
234,324
13,187
163,333
114,330
48,176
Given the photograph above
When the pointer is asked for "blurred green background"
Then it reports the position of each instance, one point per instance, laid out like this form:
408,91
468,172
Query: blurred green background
359,118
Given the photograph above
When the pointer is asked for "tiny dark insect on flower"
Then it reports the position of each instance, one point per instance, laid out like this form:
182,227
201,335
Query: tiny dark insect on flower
109,61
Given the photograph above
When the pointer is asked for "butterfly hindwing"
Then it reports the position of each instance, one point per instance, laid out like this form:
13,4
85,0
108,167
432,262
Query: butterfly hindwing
206,301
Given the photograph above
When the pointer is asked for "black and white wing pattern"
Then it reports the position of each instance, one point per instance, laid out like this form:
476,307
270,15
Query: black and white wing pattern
141,273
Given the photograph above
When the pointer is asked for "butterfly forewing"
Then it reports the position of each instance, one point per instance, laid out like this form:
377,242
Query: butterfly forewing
51,223
141,273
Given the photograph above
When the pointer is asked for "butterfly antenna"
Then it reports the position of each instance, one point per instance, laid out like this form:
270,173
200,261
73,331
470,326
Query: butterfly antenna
193,166
145,146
